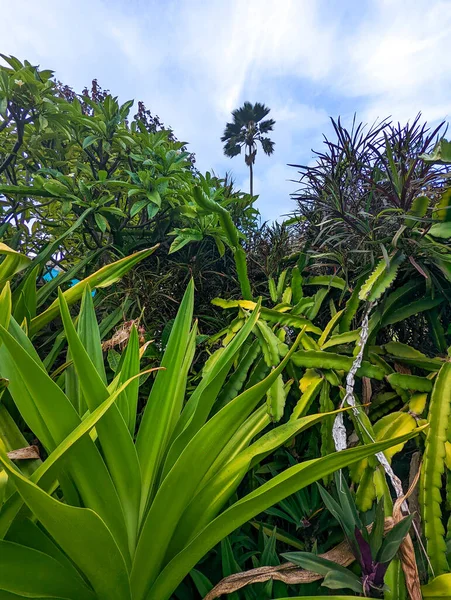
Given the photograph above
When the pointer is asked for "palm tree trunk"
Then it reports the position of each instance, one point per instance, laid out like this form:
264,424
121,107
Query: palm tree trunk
251,177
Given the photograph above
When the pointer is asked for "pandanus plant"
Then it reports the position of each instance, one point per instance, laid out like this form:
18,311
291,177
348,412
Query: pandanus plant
114,515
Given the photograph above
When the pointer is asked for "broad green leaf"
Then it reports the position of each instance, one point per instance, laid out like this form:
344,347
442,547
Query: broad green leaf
337,580
13,263
31,574
138,206
102,223
83,535
393,539
441,230
440,587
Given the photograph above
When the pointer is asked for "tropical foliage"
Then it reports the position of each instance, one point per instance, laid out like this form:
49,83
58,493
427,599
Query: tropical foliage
188,398
247,130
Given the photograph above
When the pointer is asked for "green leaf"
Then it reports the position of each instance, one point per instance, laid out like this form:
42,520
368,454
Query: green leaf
329,281
342,338
276,398
154,197
440,155
380,279
410,382
272,289
440,587
408,310
5,305
138,206
88,331
12,263
339,577
278,488
441,230
202,583
163,518
318,359
164,403
433,468
114,437
185,238
377,531
43,576
83,535
393,539
102,223
36,396
88,141
104,277
336,580
418,209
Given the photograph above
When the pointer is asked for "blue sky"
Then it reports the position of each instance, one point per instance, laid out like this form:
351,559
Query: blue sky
193,61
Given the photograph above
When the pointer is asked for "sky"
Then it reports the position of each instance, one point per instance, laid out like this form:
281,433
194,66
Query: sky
193,61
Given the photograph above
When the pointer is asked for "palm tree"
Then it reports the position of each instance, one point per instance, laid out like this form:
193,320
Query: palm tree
246,129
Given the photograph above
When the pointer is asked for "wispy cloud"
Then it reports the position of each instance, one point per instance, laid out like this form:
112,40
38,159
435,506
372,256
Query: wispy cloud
192,62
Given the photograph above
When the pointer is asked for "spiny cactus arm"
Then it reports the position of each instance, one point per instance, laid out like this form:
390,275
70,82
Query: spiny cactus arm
432,470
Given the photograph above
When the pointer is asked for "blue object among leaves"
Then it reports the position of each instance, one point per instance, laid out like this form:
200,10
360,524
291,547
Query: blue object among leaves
53,273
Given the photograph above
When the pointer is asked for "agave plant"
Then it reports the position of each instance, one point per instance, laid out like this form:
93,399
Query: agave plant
111,514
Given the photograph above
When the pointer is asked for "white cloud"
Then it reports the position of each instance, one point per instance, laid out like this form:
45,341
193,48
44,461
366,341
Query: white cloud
397,60
192,62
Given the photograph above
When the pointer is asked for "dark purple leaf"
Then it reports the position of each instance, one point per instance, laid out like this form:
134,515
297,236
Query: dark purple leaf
366,559
379,573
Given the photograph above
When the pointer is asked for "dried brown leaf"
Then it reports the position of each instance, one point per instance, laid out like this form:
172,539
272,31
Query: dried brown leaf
27,453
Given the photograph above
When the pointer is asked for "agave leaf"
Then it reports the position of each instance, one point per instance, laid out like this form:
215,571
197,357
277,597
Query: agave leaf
206,504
